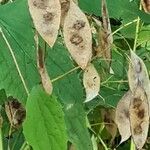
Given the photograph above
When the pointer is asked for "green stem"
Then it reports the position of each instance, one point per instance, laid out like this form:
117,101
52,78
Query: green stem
1,139
132,145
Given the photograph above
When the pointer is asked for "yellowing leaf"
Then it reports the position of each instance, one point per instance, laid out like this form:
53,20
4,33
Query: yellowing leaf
146,5
122,116
77,35
46,82
105,36
46,16
139,117
91,82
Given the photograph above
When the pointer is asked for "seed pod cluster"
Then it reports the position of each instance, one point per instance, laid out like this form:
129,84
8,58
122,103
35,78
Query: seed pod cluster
136,103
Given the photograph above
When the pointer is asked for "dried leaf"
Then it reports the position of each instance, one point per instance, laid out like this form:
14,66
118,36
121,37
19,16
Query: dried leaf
15,112
146,5
108,116
105,36
122,116
46,16
91,82
139,117
77,35
138,74
46,82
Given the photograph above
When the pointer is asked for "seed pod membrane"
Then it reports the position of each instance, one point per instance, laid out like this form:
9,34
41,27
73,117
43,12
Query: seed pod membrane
146,5
122,116
91,82
77,35
105,36
46,16
45,79
139,117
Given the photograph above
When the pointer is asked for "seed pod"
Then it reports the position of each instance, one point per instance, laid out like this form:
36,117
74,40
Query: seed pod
108,116
46,82
105,36
146,5
139,117
77,35
91,82
15,112
138,75
122,116
46,16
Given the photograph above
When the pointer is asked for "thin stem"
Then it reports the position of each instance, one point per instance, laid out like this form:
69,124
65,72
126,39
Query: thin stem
137,31
15,61
123,26
132,145
61,76
1,139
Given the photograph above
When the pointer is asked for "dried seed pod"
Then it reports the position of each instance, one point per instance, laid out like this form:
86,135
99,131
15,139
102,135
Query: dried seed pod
122,116
77,35
146,5
139,117
46,17
108,116
65,5
46,82
15,112
91,82
137,74
105,36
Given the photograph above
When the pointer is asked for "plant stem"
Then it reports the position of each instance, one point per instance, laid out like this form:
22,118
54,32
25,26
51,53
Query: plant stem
132,145
1,139
125,25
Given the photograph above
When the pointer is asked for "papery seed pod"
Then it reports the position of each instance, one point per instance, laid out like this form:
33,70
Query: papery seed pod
122,116
139,117
46,16
46,82
138,75
77,35
91,82
105,36
15,112
146,5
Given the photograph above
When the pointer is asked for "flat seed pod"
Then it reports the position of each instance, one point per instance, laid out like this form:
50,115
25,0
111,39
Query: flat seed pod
65,5
46,16
77,35
146,5
105,36
91,82
108,116
139,117
122,116
15,112
45,79
137,74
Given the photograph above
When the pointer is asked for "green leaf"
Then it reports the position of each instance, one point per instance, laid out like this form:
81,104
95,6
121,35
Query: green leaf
44,127
18,30
76,125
